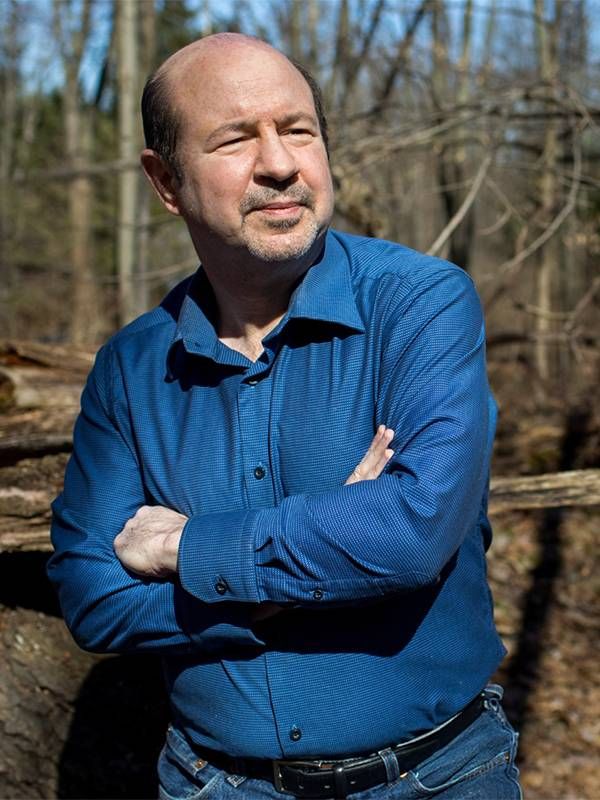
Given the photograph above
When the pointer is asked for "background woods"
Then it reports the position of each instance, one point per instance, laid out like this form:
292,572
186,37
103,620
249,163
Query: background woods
464,128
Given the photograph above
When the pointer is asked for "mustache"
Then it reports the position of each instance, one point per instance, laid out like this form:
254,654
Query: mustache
258,198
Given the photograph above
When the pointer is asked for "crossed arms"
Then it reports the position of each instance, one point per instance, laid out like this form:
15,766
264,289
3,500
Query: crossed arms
148,545
359,541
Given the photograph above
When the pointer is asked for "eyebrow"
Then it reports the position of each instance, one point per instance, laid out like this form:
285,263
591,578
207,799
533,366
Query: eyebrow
246,124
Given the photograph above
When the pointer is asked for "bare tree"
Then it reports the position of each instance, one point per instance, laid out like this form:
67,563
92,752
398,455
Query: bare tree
128,82
147,56
547,33
72,27
9,83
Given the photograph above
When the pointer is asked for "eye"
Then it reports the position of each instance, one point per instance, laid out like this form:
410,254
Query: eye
235,140
299,133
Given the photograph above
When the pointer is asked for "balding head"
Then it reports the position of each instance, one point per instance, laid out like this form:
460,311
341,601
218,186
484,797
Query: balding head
160,114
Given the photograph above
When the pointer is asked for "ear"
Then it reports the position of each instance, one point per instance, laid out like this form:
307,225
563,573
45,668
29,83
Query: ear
162,179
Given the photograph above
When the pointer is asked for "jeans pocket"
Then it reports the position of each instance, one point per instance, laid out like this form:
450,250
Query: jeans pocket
176,783
481,757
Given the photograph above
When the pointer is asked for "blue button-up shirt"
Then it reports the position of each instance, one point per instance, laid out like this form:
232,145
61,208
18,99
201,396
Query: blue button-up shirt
388,626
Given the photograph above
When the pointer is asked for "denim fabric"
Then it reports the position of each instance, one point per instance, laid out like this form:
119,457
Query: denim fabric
479,764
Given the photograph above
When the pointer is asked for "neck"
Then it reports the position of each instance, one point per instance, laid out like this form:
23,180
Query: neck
252,299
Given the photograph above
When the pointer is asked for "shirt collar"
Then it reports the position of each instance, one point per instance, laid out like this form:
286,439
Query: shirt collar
324,294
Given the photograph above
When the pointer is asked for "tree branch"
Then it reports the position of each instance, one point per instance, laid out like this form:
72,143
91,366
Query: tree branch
464,208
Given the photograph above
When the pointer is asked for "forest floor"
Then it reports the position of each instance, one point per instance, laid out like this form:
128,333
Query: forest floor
545,575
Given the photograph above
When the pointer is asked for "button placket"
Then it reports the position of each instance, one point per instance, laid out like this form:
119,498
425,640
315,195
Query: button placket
254,403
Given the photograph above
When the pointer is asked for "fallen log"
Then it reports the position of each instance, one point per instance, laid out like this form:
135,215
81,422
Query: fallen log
41,376
553,490
34,444
13,352
38,387
25,514
24,519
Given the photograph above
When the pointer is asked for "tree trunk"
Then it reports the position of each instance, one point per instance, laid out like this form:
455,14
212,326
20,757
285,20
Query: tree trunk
9,83
453,158
73,724
144,195
129,298
41,672
549,255
85,309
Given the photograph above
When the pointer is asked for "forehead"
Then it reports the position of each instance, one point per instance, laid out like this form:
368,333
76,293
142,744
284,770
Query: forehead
238,83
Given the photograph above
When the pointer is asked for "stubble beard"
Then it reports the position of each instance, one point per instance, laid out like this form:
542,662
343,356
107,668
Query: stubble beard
268,239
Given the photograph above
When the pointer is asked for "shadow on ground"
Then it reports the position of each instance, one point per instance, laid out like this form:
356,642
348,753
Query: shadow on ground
522,673
116,733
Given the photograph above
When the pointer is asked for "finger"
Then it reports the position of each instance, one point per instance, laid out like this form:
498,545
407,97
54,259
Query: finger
383,461
362,469
379,466
384,451
371,457
375,459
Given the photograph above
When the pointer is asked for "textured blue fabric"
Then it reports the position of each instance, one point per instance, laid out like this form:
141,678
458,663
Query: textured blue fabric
479,764
388,627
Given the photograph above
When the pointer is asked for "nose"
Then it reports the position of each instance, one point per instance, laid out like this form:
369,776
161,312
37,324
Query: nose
275,160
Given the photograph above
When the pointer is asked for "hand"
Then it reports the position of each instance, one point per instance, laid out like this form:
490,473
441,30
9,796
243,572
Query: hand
370,468
375,459
149,542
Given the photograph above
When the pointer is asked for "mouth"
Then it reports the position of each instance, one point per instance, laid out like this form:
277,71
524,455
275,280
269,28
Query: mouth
281,208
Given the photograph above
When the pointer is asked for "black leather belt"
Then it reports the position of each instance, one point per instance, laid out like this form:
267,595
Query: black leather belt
329,778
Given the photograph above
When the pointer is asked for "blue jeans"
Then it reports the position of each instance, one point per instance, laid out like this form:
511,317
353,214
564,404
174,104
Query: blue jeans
479,764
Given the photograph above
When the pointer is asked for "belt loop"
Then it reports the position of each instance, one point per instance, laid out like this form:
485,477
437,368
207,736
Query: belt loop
392,770
340,782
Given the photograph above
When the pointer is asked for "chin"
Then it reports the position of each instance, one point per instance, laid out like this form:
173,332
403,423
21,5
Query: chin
283,245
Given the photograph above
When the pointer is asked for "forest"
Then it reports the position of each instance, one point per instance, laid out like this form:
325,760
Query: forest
466,129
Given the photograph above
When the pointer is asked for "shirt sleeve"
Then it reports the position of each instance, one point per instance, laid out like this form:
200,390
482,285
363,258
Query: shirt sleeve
395,533
107,608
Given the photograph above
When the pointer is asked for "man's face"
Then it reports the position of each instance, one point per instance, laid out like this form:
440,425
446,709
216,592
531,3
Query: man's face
254,168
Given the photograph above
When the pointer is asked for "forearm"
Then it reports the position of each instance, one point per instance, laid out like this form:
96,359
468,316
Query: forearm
109,609
356,542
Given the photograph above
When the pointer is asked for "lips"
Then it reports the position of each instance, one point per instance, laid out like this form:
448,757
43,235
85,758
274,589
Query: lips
283,205
276,203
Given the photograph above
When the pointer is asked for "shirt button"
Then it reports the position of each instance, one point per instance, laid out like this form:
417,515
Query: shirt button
221,586
295,733
259,473
317,594
252,381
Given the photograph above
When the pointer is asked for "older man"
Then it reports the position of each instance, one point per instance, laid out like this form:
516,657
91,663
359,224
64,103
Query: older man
322,636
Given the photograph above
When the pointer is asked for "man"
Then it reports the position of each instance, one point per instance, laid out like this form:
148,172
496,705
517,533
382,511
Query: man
319,639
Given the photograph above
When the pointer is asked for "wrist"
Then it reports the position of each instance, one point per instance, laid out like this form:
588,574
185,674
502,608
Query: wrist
170,552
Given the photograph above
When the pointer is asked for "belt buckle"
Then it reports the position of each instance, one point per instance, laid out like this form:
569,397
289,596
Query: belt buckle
278,780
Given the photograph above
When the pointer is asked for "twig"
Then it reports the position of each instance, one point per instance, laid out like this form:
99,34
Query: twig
511,267
582,304
498,225
465,206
